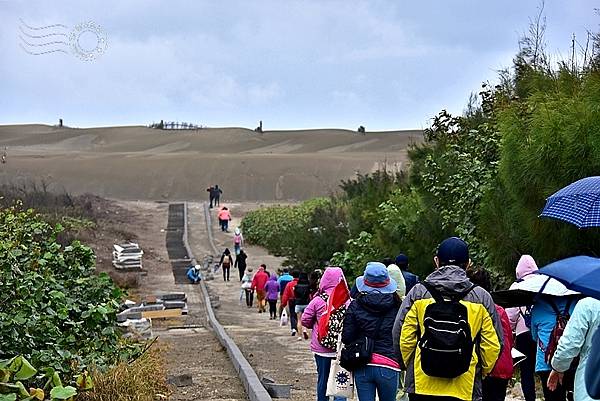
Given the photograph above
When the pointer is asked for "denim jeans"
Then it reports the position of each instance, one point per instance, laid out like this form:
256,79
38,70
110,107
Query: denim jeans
374,378
323,368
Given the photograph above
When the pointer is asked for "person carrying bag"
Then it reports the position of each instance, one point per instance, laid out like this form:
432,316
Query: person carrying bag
369,350
341,380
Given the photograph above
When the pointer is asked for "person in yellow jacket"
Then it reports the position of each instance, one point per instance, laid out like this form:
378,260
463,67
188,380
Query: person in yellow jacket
483,328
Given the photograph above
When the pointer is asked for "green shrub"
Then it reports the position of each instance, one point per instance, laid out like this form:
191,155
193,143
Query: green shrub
56,311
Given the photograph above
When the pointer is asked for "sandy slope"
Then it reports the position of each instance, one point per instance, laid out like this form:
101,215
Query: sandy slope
142,163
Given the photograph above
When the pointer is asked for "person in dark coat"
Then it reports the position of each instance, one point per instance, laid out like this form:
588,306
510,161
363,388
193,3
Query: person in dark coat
216,193
240,262
372,314
409,278
211,195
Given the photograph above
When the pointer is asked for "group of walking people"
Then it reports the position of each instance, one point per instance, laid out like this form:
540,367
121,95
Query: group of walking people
393,337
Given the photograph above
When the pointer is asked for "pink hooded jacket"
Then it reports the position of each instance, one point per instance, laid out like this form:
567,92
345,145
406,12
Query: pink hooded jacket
317,308
525,267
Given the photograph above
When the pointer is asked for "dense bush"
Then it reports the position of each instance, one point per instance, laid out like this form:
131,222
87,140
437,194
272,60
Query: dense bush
305,234
483,176
550,139
56,311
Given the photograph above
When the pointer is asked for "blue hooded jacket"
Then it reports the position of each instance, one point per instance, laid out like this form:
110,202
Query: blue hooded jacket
543,320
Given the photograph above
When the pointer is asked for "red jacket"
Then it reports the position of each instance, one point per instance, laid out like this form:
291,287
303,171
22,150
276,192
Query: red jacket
504,365
288,293
259,280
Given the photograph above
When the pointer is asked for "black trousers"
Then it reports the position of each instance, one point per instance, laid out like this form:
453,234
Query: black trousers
494,389
226,272
564,391
293,316
272,307
249,297
525,344
241,269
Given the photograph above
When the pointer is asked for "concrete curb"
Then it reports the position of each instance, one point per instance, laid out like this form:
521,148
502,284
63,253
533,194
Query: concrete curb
250,380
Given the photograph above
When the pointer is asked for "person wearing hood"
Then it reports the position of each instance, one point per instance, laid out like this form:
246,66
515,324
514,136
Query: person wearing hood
272,290
193,274
396,274
226,262
247,288
520,322
258,283
316,308
240,262
372,315
448,281
238,240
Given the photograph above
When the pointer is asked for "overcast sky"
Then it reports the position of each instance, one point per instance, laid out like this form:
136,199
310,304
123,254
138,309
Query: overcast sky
294,64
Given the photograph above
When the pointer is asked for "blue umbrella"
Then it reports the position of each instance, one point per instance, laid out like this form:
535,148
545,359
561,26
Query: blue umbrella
577,203
578,273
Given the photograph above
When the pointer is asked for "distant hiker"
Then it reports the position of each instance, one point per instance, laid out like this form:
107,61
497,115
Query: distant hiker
520,320
258,283
455,326
272,289
193,274
217,195
326,324
302,297
494,385
283,280
224,218
226,263
247,287
410,279
288,299
238,240
211,196
240,262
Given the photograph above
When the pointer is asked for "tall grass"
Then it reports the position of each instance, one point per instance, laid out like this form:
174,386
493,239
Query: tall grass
141,380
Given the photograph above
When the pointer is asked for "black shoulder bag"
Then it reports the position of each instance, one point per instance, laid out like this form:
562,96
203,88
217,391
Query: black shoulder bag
358,353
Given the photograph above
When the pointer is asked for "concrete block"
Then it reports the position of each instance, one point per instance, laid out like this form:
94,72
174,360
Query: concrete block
173,296
183,380
174,304
276,390
123,316
146,308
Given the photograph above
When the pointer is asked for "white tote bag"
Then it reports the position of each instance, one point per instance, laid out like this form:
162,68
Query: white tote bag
340,382
284,318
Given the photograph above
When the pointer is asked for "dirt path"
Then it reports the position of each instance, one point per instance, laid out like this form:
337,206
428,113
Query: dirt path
269,348
192,349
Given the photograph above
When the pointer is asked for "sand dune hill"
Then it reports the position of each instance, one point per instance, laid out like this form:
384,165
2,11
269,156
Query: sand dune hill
148,164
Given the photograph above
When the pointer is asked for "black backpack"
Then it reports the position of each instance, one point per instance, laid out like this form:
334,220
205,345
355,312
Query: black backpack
446,344
302,294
